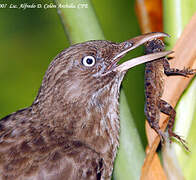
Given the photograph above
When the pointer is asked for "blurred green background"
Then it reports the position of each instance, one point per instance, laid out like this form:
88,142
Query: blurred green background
31,38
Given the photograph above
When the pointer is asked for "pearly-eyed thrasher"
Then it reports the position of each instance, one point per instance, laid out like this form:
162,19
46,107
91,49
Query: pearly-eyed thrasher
71,130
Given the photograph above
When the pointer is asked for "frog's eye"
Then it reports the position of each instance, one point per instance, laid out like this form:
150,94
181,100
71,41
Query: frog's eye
88,61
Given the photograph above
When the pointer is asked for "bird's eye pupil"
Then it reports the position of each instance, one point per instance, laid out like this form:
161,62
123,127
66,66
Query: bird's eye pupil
89,61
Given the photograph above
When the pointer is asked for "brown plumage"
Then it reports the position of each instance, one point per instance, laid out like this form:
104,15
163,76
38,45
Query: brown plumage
71,130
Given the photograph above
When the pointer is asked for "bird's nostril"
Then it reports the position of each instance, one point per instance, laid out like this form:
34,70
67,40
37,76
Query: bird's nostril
128,44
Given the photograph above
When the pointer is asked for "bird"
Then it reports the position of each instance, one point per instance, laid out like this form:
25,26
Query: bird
71,130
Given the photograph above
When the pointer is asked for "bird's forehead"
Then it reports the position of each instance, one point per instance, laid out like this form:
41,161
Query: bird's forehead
100,48
100,44
97,46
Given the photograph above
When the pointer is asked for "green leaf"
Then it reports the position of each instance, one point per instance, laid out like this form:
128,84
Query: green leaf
186,125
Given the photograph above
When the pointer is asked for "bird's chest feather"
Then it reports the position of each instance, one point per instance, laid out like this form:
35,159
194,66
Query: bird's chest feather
97,124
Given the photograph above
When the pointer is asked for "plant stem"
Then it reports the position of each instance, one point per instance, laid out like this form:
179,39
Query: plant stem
79,23
172,20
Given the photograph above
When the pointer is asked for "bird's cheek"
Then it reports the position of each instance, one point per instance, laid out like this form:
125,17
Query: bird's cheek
99,69
73,91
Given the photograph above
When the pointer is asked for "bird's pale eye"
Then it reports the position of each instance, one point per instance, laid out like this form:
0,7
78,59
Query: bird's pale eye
88,61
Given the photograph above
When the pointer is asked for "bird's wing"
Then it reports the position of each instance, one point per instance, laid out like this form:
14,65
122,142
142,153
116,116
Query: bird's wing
71,160
29,151
77,163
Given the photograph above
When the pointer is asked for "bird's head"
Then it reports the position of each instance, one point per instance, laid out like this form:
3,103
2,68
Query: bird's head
86,68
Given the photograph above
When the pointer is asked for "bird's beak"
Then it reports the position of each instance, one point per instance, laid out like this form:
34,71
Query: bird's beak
131,44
